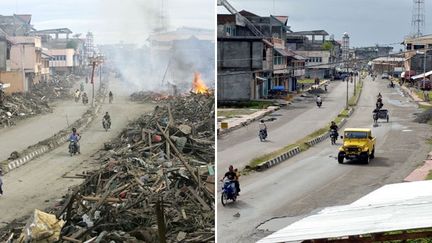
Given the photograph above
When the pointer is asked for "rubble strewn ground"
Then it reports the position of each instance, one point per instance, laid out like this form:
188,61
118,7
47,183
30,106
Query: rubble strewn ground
23,105
156,180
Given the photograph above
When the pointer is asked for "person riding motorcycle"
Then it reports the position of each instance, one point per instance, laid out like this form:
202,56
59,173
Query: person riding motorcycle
75,137
232,176
263,127
333,126
77,95
82,87
107,118
379,104
318,100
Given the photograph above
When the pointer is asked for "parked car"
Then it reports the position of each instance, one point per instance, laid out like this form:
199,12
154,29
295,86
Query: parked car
385,76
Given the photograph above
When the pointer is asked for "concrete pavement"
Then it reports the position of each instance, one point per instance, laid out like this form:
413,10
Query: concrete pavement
292,123
35,129
312,180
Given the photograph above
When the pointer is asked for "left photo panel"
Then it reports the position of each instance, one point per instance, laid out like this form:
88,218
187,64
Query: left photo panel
107,121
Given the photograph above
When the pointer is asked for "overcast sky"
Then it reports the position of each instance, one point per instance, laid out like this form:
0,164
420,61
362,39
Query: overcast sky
368,22
112,21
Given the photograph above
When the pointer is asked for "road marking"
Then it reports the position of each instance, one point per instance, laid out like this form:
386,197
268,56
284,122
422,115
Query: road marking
407,130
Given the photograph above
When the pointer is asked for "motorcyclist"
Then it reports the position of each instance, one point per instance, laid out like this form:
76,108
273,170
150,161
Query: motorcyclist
333,126
82,86
75,137
318,100
379,104
263,127
232,176
107,118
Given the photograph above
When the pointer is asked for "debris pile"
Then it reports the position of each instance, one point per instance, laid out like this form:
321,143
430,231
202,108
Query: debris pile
146,96
156,183
22,105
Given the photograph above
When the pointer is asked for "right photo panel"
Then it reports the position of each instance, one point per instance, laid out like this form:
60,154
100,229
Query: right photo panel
324,120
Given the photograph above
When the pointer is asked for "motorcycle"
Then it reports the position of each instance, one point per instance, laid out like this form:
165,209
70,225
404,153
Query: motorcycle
319,103
77,98
333,136
228,192
262,135
106,124
73,148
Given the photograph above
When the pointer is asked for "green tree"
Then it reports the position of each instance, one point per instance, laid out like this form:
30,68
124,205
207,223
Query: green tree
327,46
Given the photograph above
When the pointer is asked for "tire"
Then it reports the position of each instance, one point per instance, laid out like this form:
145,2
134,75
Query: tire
372,155
224,199
365,158
341,159
388,118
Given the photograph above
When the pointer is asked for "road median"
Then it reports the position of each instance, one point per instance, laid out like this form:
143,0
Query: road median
269,160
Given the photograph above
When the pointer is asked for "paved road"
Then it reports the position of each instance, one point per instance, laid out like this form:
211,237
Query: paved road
39,183
312,180
293,123
35,129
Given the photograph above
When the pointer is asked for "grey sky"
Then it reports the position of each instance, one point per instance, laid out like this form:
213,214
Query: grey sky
368,22
113,20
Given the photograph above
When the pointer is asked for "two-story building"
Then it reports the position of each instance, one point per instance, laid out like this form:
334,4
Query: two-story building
250,65
418,55
321,54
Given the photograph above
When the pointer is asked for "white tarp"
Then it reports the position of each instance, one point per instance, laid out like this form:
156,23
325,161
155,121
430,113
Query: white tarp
422,75
390,208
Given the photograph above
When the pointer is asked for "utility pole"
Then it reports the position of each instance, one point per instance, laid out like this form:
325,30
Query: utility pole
92,81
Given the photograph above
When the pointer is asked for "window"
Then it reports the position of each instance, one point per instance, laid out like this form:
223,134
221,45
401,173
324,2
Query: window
230,30
278,59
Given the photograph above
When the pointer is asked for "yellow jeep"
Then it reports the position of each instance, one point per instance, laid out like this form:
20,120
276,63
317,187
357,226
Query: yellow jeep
358,143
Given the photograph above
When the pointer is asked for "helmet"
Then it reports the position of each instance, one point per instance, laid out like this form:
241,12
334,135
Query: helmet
74,129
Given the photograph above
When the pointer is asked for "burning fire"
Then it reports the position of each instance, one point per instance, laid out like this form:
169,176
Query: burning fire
198,85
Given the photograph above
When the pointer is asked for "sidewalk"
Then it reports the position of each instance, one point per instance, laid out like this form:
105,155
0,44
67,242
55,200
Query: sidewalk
299,120
243,120
415,97
35,129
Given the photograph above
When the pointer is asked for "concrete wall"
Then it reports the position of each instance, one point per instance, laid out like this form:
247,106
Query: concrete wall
234,87
14,78
240,55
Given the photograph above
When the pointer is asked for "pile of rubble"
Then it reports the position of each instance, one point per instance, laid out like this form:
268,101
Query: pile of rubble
156,183
22,105
146,96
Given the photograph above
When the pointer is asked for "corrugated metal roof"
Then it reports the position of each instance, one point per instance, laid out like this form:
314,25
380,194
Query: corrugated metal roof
422,75
392,207
284,52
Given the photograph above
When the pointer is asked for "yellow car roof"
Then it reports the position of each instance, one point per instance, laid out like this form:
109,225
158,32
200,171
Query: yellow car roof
357,130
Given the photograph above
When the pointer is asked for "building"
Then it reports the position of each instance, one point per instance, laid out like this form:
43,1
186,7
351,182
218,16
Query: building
16,25
253,57
67,54
418,55
321,53
392,65
371,52
10,80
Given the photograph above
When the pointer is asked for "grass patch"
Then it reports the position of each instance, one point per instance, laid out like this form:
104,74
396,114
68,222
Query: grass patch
235,112
342,115
421,95
429,176
306,81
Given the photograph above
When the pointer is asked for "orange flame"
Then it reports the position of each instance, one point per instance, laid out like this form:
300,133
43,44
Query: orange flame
198,85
